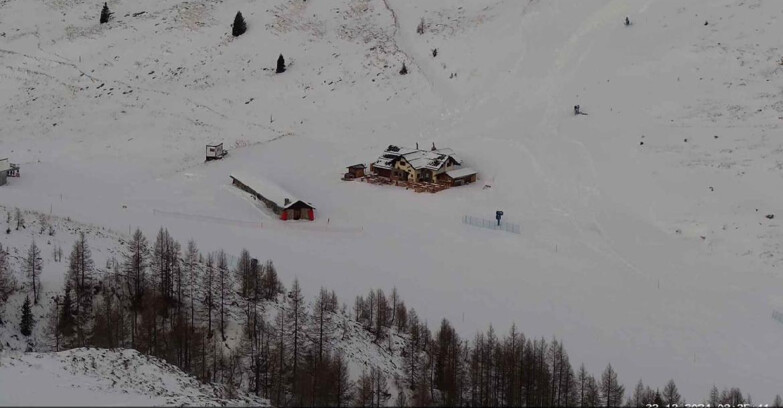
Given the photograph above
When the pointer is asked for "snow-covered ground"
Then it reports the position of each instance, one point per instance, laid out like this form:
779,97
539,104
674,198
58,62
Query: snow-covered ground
645,241
99,377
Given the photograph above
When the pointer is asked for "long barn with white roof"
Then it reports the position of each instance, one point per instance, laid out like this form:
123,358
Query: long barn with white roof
280,201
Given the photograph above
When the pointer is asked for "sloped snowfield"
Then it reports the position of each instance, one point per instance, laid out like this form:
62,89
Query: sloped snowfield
644,243
99,377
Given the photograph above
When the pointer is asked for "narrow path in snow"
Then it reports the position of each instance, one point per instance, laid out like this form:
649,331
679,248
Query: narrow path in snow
564,71
402,43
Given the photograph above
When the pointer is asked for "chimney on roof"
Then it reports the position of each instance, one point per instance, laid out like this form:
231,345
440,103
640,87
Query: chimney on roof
433,146
287,201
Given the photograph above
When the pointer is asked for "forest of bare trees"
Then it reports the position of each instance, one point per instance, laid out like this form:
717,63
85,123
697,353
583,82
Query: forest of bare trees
182,306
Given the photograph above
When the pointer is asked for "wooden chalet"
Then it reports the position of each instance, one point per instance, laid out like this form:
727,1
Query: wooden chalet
422,166
274,197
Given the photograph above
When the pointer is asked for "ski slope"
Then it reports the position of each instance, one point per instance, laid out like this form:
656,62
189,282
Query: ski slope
645,241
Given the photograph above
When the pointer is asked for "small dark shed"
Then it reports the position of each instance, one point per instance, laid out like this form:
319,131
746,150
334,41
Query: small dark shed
355,171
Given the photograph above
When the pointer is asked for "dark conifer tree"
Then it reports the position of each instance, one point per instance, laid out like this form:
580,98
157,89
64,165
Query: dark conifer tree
105,14
611,390
26,325
244,275
592,394
135,271
208,290
637,399
239,27
296,317
19,219
343,388
404,70
280,64
657,398
671,395
224,287
364,391
270,284
33,264
80,277
7,280
66,321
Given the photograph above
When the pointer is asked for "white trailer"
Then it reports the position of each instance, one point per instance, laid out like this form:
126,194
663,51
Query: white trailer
215,151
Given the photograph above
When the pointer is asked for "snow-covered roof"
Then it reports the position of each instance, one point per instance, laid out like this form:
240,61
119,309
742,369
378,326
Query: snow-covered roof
267,189
5,165
461,172
449,152
398,150
418,159
427,159
386,161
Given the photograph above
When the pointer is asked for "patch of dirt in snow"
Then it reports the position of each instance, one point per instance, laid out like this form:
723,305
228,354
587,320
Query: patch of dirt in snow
291,16
451,22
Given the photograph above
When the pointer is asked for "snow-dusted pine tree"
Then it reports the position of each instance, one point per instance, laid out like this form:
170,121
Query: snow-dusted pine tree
27,322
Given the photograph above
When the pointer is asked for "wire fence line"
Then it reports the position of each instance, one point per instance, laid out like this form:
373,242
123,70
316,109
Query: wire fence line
491,224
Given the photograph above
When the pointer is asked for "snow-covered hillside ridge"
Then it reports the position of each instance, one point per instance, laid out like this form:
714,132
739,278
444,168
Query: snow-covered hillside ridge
343,335
54,236
100,377
656,200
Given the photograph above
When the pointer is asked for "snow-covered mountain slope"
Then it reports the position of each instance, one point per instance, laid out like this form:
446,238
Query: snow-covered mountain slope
343,333
644,238
104,244
99,377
